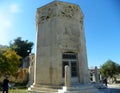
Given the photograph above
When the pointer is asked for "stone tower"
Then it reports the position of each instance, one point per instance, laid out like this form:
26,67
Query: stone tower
60,42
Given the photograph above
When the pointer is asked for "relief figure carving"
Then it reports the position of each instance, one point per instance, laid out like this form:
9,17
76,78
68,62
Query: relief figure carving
64,11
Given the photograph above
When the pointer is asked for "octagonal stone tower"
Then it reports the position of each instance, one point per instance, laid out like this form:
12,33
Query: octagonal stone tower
60,42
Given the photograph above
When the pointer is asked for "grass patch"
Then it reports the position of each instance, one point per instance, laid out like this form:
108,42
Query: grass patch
16,90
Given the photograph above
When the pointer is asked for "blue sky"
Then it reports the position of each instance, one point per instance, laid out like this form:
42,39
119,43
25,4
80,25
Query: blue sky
101,24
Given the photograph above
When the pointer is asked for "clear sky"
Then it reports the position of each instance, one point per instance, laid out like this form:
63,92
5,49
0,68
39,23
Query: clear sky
101,24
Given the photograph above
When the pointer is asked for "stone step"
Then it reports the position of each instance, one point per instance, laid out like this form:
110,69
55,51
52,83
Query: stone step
79,89
80,92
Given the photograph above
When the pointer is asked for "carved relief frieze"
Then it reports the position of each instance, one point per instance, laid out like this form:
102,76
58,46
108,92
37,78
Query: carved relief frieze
45,14
67,11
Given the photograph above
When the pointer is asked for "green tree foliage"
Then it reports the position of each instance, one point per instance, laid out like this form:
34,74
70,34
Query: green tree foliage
9,62
110,69
22,47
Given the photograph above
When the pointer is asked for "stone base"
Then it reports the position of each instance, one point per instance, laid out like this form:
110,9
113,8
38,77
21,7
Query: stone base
79,89
76,88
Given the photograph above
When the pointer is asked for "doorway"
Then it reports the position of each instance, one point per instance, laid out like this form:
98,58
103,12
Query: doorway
70,59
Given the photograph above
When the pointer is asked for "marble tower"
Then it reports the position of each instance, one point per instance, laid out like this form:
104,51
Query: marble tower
60,42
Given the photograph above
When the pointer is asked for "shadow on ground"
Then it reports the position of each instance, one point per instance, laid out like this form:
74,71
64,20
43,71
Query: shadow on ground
111,90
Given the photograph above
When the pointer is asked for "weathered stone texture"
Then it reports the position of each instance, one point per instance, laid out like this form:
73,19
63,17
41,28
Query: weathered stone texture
59,29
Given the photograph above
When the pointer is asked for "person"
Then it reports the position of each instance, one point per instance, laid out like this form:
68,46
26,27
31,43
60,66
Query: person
5,85
105,81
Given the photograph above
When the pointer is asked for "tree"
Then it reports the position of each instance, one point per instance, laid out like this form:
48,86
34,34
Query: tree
110,69
22,47
9,62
